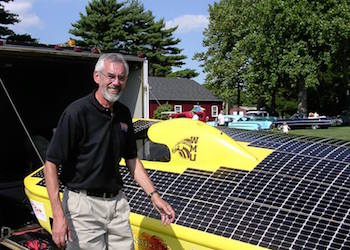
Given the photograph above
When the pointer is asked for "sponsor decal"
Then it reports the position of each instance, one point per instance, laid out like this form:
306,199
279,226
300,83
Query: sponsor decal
38,209
187,148
150,242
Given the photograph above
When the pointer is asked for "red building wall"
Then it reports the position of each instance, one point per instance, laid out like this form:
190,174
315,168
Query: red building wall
186,106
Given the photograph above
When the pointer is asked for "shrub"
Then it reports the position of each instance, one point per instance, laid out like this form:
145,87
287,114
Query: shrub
162,108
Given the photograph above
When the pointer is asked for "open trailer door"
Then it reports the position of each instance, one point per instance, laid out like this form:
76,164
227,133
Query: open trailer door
42,81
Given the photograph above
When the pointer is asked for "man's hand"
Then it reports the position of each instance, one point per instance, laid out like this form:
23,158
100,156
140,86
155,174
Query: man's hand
61,231
140,175
166,212
60,228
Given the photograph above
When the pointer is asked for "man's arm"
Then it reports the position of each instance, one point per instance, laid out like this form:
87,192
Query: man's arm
140,175
60,226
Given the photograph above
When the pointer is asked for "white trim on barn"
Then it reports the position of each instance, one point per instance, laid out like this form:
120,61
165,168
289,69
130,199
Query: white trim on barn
214,111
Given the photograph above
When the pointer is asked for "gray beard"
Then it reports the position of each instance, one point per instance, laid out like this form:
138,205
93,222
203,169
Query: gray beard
110,98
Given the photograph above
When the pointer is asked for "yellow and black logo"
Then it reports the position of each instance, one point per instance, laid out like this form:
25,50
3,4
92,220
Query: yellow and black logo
187,148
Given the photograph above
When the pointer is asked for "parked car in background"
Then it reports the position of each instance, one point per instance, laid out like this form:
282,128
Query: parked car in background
259,113
252,123
246,122
345,117
336,120
298,122
231,118
189,114
197,113
227,119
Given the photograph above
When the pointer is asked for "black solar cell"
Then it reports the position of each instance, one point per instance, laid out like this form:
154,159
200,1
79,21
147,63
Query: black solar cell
141,125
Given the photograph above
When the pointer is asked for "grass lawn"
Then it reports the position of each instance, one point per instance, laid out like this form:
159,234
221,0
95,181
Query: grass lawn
342,133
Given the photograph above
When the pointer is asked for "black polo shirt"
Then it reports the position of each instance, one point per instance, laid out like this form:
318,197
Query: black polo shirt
89,142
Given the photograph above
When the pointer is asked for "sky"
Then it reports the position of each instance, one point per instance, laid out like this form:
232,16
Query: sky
49,21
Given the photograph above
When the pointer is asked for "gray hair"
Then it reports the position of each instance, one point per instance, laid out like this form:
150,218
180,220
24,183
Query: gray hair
113,57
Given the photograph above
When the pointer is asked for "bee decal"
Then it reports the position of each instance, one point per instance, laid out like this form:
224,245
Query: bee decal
187,148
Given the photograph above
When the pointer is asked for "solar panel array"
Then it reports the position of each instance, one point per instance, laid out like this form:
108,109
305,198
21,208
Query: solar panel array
296,198
141,126
40,174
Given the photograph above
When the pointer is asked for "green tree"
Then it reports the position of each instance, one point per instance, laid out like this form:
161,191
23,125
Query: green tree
160,49
102,26
186,73
22,38
223,61
6,18
162,108
291,45
129,28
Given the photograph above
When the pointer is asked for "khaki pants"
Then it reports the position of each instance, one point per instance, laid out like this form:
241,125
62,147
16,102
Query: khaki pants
98,223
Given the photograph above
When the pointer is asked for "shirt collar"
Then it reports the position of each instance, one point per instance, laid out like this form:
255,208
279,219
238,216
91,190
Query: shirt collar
98,105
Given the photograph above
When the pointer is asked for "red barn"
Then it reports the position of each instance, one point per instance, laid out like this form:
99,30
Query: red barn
182,94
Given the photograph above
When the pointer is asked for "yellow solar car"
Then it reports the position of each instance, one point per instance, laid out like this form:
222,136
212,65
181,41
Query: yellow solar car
232,189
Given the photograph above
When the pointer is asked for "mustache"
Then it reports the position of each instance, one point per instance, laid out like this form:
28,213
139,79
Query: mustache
118,87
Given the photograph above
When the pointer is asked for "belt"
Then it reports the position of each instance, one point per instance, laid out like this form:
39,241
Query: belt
95,193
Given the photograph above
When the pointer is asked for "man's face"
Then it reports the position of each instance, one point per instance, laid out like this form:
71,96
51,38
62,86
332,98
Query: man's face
112,80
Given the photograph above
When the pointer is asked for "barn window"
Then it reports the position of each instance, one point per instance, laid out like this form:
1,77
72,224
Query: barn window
178,108
214,111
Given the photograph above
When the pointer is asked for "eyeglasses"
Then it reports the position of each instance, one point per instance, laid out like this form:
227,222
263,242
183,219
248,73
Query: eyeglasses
112,77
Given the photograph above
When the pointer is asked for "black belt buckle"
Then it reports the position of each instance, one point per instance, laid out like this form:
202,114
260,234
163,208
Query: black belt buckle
102,194
109,195
95,193
73,189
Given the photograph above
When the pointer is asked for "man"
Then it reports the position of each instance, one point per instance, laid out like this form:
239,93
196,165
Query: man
92,135
221,118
